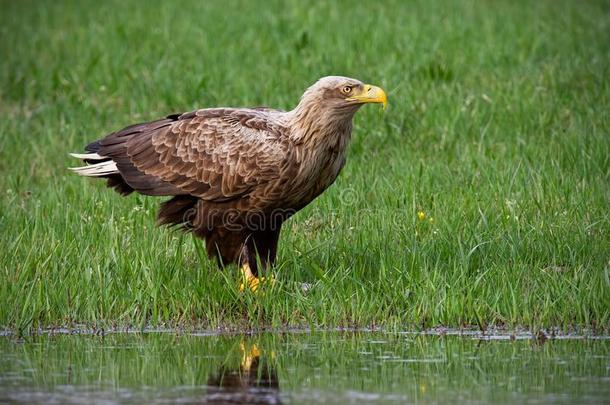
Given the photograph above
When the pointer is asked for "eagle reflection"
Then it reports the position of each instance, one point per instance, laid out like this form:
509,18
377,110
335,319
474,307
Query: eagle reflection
253,381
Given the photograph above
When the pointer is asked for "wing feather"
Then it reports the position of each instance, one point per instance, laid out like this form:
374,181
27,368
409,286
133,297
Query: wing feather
214,154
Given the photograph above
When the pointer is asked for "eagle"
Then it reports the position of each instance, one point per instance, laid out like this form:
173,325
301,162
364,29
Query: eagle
235,175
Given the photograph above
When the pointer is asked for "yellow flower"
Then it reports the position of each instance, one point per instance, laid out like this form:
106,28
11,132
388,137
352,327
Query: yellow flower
421,215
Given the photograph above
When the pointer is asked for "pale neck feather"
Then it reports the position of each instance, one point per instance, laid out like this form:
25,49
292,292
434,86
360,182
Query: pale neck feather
316,124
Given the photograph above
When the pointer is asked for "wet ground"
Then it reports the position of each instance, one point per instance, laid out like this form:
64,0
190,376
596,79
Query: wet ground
332,367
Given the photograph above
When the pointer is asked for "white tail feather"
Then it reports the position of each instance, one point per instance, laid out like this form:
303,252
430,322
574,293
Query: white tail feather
97,169
88,156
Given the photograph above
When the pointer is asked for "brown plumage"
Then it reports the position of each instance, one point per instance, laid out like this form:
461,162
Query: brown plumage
235,174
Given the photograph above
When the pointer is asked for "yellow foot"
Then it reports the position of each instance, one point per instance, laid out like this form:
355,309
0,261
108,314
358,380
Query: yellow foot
250,280
253,282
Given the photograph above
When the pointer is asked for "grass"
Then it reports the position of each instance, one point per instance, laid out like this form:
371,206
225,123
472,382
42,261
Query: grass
497,132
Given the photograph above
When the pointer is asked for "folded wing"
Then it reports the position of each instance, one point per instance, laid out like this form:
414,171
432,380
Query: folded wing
213,154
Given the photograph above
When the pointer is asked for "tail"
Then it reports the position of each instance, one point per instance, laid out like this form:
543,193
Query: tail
103,167
97,166
108,158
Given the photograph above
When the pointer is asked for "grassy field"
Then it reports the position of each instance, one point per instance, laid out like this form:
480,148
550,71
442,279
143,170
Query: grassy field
480,197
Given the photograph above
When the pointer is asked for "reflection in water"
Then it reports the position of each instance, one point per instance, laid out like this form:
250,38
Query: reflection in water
334,367
253,381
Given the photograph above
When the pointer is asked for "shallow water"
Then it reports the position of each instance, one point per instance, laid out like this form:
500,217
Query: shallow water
337,367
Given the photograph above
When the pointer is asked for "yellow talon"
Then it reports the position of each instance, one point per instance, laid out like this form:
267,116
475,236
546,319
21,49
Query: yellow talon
250,280
252,284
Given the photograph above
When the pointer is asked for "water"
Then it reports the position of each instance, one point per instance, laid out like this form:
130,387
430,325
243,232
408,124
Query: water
333,367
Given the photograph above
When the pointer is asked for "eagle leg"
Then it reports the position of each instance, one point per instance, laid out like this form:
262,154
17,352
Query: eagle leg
249,278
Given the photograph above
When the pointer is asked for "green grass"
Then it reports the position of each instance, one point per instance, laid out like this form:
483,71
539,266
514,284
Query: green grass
497,130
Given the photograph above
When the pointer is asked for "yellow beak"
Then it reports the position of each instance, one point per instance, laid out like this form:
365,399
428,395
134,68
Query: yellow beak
371,94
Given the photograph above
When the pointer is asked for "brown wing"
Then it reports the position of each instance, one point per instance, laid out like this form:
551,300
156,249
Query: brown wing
214,154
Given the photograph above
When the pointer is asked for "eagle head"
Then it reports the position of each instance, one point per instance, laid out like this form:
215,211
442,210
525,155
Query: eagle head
344,93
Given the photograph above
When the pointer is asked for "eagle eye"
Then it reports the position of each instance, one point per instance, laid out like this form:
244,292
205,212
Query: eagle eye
346,89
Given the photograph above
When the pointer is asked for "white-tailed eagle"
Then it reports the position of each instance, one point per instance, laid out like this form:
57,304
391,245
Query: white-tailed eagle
236,174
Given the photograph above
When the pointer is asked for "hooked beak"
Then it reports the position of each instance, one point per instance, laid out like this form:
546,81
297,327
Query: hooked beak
371,94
